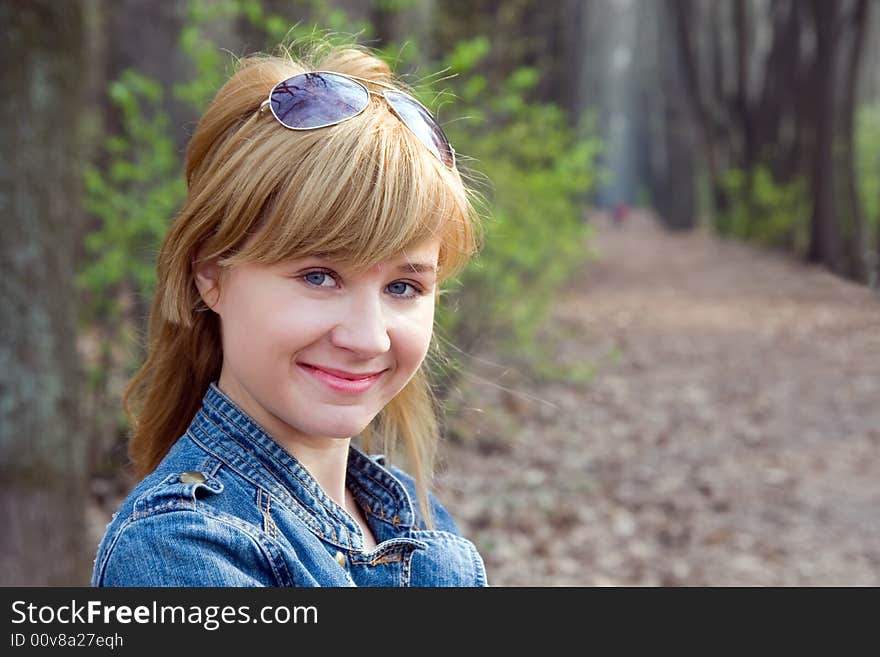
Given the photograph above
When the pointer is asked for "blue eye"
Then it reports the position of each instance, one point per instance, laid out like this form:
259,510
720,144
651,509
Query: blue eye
319,279
399,289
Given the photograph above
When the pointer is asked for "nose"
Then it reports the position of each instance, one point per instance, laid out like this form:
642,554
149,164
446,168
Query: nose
363,329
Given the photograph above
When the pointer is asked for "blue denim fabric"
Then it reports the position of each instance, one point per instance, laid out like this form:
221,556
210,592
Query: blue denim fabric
260,519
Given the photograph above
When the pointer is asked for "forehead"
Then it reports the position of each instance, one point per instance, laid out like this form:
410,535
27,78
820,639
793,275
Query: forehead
416,256
423,253
420,258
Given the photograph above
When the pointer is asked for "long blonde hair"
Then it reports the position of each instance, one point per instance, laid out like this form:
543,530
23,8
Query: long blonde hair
365,190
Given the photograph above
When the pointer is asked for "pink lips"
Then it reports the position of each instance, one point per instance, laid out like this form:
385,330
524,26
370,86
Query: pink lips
340,381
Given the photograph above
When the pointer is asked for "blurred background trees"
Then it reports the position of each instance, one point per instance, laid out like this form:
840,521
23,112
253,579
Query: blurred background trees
43,441
772,89
759,119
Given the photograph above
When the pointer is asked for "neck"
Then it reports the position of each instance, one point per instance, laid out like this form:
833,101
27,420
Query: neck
326,459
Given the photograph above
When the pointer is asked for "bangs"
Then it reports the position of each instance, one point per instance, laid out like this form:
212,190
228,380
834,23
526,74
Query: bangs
362,191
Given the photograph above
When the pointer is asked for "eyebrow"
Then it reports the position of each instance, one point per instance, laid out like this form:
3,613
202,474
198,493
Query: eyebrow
418,268
407,267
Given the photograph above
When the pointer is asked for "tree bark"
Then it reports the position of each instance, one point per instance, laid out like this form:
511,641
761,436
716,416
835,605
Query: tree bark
824,236
856,238
384,24
42,451
782,96
669,160
680,11
741,101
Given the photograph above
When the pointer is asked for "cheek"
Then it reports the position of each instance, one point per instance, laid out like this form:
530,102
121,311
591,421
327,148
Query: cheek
298,323
275,333
412,337
257,322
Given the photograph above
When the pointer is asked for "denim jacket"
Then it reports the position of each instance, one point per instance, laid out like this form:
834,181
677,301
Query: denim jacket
228,506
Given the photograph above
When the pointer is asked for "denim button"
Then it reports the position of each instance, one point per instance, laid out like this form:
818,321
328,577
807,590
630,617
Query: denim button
340,558
192,477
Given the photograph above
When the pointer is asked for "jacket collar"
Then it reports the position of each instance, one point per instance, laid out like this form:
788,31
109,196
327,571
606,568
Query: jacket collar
235,438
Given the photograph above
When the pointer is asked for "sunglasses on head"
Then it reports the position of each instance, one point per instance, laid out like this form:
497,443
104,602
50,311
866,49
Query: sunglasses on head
319,99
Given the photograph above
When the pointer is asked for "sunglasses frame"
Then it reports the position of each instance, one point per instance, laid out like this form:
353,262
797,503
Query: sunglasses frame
362,82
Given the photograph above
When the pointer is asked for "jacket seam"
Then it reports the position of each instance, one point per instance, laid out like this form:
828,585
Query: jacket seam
269,525
406,570
479,567
370,495
391,546
381,484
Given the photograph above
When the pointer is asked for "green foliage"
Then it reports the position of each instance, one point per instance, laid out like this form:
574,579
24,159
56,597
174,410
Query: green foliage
466,56
541,170
209,68
132,198
765,211
868,162
393,5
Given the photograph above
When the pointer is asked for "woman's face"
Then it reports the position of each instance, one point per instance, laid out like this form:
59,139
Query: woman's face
314,349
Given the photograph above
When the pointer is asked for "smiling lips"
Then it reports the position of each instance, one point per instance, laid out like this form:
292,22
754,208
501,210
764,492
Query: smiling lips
341,381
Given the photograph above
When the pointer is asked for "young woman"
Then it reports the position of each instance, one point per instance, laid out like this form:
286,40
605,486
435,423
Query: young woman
294,310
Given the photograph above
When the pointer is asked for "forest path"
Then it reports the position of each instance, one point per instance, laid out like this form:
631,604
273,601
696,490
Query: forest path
733,440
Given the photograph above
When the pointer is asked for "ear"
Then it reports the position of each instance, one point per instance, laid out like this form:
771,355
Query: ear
207,276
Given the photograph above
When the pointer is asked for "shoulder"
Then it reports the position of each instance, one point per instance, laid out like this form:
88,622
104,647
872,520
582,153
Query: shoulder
186,548
172,531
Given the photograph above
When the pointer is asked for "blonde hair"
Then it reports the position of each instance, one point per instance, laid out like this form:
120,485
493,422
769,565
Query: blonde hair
364,190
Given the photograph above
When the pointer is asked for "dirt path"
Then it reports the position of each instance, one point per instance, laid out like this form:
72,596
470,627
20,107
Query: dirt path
735,440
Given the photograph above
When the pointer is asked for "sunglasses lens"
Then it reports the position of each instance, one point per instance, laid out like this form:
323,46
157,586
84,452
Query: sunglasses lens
420,121
315,100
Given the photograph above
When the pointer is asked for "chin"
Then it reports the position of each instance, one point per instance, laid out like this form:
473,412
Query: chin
339,427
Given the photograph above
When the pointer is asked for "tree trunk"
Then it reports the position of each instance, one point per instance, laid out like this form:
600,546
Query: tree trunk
741,100
856,239
42,471
824,236
669,163
777,130
681,12
384,23
572,65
